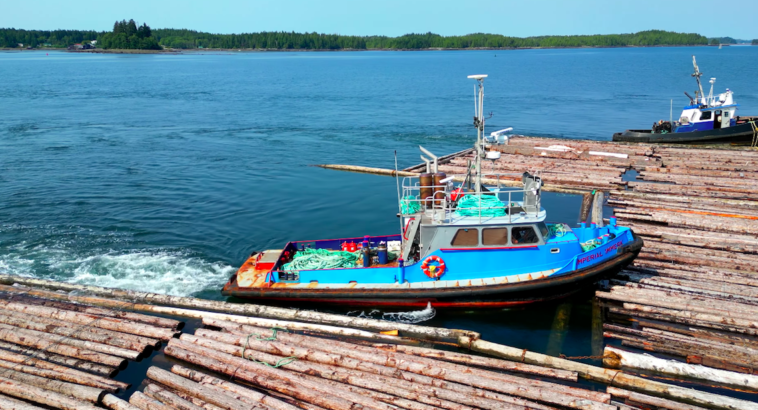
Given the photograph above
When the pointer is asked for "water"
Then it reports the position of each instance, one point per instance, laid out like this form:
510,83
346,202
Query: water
162,172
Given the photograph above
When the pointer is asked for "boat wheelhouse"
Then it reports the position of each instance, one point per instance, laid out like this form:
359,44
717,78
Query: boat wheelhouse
465,240
711,118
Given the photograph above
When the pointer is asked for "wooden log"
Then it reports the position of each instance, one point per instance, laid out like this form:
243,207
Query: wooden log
526,388
205,379
84,344
81,333
597,209
66,375
291,400
10,358
675,301
76,391
139,301
119,325
416,404
686,321
194,400
560,324
471,360
610,376
707,203
26,297
584,211
227,364
367,170
49,345
202,392
704,222
701,333
9,403
144,402
621,358
242,399
114,403
35,394
60,359
269,378
169,398
130,341
650,400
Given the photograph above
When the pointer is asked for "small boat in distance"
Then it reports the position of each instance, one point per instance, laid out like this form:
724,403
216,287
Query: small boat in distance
475,244
707,119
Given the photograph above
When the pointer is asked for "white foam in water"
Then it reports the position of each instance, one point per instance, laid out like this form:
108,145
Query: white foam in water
416,316
160,271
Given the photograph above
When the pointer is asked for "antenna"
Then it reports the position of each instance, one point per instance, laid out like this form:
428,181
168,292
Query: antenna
479,124
697,75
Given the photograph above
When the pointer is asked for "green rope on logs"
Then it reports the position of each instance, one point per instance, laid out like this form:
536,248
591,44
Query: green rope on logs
492,206
279,363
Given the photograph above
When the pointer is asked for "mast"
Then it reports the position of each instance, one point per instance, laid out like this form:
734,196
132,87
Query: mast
479,124
697,75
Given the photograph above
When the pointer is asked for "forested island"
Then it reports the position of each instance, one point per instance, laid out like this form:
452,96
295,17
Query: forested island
129,35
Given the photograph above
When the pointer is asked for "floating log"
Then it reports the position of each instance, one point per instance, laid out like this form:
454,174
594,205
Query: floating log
611,376
169,398
35,394
84,344
31,353
144,402
141,301
114,403
9,403
125,340
304,340
467,359
64,375
24,296
81,333
367,170
205,379
621,358
119,325
526,388
650,400
15,336
268,378
584,211
202,392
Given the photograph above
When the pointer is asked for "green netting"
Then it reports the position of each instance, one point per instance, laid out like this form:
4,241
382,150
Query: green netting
557,230
409,205
308,259
490,204
591,244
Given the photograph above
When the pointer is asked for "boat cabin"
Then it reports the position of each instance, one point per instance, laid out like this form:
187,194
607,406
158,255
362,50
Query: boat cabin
710,114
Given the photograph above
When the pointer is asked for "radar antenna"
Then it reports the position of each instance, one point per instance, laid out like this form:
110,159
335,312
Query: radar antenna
697,75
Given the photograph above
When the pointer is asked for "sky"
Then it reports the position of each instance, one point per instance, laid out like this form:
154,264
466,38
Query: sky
520,18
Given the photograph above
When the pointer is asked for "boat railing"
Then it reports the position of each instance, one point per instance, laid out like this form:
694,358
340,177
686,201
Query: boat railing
441,201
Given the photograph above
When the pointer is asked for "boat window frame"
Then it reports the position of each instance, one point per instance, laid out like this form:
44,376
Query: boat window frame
466,228
532,227
705,116
507,236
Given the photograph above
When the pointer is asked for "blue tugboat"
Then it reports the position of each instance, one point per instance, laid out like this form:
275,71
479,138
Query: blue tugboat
475,244
707,119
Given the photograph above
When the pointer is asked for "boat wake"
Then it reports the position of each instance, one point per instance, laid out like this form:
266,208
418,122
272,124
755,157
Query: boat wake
158,271
416,316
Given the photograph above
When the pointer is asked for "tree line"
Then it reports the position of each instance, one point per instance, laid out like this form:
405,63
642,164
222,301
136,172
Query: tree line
127,34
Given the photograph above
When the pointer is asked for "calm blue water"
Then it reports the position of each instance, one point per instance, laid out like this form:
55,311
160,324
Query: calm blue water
162,172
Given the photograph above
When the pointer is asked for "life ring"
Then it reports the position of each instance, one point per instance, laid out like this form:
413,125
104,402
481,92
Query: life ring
433,271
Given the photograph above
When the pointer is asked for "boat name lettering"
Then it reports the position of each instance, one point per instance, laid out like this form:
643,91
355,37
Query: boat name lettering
600,254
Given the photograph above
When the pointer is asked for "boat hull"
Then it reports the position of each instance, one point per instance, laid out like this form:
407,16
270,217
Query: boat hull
500,295
743,132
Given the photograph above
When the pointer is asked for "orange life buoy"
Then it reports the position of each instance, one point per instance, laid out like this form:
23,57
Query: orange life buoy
434,271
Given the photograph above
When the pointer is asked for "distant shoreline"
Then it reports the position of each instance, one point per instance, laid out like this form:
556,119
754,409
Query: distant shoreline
176,51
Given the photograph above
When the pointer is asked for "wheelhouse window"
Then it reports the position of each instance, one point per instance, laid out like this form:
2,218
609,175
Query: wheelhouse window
466,237
543,229
705,115
524,235
494,236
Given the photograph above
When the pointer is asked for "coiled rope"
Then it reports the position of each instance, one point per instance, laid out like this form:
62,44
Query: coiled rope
490,206
409,205
310,259
557,230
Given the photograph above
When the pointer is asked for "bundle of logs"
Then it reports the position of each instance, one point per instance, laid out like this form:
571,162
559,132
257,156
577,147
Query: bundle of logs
692,293
258,357
565,165
63,355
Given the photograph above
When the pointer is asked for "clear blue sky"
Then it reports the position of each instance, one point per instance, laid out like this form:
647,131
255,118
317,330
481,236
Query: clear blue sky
735,18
